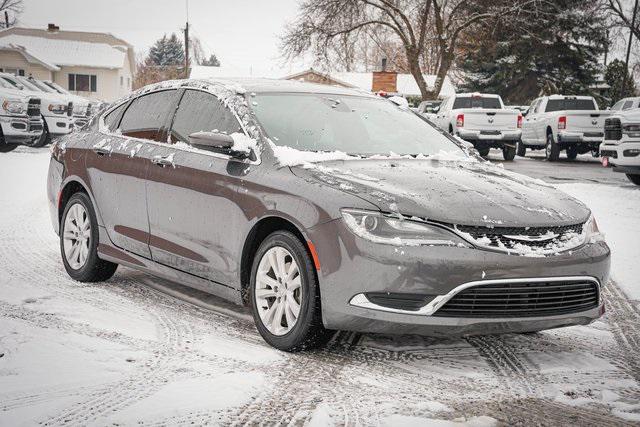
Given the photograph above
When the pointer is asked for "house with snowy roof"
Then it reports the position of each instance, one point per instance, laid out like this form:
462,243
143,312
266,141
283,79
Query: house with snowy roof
94,65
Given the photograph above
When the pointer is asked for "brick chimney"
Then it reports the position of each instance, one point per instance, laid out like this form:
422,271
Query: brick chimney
52,28
383,80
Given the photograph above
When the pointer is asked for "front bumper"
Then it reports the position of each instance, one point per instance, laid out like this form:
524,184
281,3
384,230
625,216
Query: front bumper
351,266
626,154
477,135
59,124
18,129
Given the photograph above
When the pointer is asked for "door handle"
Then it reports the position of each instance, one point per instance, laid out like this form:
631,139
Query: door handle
100,151
162,161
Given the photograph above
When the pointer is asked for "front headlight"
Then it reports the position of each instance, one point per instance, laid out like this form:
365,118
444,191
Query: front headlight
58,108
14,106
592,231
391,230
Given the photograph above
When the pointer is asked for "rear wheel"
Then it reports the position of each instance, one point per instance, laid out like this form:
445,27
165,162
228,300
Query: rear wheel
509,153
284,294
522,149
572,152
551,149
79,242
634,178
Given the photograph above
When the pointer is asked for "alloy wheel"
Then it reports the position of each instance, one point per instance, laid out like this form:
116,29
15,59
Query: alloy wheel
278,290
76,236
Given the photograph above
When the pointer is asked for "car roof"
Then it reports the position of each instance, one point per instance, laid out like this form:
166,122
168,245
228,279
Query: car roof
476,94
264,85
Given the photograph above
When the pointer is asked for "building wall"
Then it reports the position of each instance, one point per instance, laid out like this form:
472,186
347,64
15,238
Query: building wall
385,81
107,81
11,59
314,77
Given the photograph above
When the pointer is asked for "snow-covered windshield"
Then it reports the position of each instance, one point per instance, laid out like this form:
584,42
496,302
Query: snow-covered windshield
27,84
57,88
352,124
43,87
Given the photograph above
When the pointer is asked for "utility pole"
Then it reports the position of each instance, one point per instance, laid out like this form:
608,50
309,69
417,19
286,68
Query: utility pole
186,44
626,62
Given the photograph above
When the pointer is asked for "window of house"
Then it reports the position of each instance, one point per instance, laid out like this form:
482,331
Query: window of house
83,82
201,111
128,82
15,71
121,81
147,115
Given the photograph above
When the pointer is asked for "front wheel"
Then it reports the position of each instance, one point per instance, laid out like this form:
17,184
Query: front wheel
522,149
634,178
509,153
284,294
44,139
79,242
484,152
572,152
551,149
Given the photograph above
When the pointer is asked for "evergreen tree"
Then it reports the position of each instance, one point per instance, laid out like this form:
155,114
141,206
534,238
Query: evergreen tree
614,77
212,61
167,51
555,50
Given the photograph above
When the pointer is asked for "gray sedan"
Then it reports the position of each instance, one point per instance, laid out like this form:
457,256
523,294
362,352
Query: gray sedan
323,209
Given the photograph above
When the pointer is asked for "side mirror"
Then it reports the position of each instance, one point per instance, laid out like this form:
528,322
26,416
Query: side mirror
216,142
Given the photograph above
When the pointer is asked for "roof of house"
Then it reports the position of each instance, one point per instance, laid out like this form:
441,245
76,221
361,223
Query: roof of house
66,52
83,36
405,84
29,56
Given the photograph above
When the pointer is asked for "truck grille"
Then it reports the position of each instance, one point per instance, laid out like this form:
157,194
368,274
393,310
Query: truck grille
70,109
33,107
508,237
533,299
612,129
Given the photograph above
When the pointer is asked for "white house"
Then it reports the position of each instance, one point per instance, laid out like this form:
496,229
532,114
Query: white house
93,65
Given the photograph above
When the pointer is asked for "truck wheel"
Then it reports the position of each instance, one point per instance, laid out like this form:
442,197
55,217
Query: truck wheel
451,129
551,150
634,178
522,149
572,152
44,139
509,153
484,152
4,147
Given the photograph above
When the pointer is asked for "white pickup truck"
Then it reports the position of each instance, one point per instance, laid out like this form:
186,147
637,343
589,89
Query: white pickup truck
482,120
621,146
20,119
559,122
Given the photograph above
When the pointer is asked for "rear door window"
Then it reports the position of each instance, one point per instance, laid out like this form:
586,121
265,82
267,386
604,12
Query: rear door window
146,116
112,118
201,111
570,104
476,102
627,105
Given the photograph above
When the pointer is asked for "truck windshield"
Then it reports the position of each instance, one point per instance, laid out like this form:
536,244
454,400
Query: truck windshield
570,104
476,102
353,124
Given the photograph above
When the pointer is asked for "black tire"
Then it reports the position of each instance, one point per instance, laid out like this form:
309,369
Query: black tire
450,130
572,152
552,150
308,332
4,147
484,152
509,153
94,268
634,178
521,149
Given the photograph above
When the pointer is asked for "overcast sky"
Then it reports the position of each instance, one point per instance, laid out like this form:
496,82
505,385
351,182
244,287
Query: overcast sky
242,33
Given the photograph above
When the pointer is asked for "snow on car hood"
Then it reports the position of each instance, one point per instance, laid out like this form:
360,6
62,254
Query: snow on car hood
466,192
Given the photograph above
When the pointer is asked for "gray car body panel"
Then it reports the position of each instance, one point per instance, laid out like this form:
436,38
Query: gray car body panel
202,209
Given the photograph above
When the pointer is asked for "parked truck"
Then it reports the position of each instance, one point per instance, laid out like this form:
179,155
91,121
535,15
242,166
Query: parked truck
482,120
20,119
621,147
563,123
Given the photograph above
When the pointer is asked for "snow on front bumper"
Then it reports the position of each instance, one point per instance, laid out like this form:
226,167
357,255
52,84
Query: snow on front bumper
59,124
352,266
18,129
489,135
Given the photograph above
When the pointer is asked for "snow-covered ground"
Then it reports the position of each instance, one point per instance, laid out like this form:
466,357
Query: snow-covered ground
138,350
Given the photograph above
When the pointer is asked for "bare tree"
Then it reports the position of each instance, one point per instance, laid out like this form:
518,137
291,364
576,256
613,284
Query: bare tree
13,6
623,15
415,24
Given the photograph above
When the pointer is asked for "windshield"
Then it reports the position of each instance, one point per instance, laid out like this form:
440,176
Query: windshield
28,84
57,87
13,83
476,102
352,124
43,87
570,104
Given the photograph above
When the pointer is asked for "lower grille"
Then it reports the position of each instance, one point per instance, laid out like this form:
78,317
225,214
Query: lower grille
532,299
399,301
609,153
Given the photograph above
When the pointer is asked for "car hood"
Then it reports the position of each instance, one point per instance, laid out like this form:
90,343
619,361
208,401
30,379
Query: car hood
467,192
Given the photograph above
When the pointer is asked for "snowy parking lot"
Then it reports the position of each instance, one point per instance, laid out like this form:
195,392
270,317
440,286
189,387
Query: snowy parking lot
138,350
